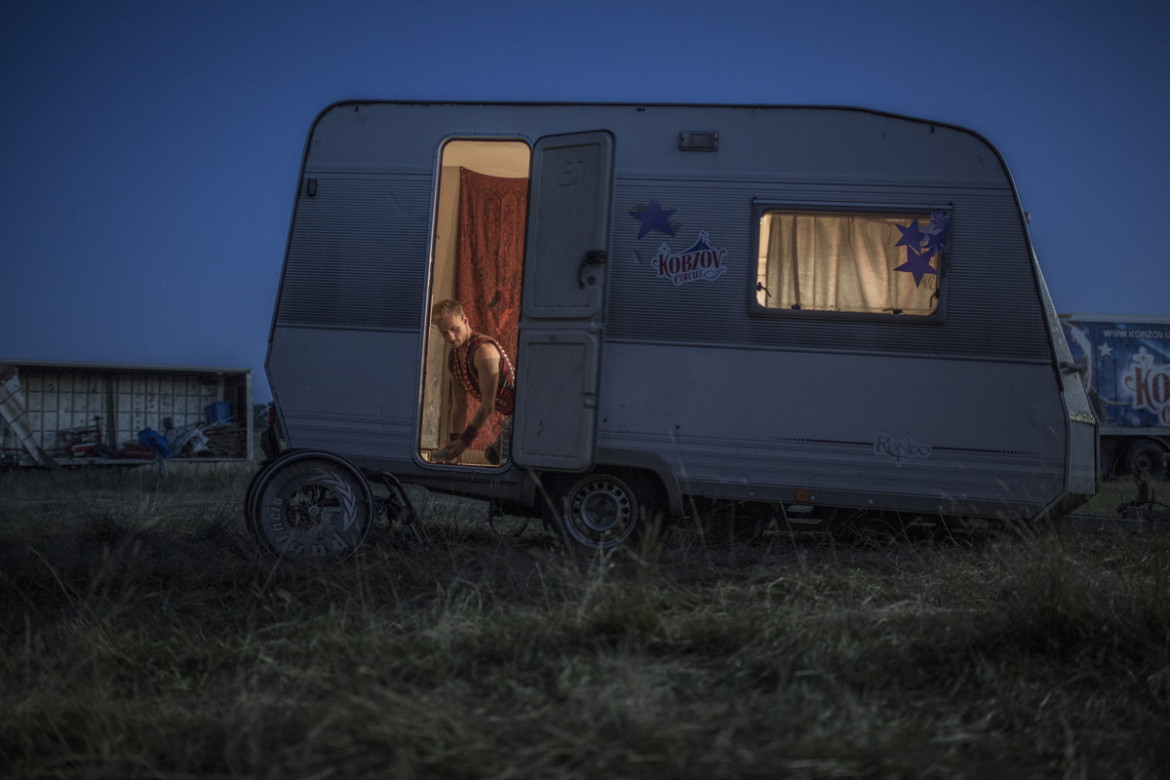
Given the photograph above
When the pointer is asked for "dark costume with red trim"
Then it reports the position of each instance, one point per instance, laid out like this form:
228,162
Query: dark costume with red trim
468,375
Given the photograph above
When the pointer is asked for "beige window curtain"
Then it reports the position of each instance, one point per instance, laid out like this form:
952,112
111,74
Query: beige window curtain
839,262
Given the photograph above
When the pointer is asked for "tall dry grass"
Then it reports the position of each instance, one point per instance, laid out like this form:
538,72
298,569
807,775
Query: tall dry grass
144,635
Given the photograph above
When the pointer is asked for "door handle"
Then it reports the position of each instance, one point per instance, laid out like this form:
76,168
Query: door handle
585,272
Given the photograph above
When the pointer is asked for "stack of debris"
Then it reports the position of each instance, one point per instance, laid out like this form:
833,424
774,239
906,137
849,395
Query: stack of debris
226,440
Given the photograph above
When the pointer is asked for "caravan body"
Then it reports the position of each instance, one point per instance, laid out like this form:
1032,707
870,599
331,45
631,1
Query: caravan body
788,305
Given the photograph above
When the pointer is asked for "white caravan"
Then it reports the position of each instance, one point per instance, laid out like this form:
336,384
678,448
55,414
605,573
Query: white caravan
805,308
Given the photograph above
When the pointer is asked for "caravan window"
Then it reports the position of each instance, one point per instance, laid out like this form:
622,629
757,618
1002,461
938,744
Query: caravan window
851,261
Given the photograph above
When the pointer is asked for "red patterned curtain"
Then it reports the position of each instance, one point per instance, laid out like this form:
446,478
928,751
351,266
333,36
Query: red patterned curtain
490,260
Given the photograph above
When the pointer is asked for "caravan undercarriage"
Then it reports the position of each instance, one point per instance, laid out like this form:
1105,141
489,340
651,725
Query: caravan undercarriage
314,506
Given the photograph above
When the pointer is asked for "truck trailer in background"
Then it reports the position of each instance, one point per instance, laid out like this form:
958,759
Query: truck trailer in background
1124,363
83,414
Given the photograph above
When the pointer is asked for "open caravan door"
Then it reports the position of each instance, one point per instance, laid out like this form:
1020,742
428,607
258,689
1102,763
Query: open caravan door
563,301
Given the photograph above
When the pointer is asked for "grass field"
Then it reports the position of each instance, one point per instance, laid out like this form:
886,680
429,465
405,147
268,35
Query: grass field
144,635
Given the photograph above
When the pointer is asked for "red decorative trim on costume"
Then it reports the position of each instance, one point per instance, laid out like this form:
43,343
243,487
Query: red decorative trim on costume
468,375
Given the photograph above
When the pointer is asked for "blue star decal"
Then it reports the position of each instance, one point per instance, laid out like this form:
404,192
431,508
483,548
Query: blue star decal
936,234
911,235
654,217
935,243
917,264
939,222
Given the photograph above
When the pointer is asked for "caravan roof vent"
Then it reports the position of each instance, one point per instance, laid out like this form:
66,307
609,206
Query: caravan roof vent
698,141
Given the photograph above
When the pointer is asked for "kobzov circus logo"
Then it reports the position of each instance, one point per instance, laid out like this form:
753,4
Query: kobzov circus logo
701,261
1150,385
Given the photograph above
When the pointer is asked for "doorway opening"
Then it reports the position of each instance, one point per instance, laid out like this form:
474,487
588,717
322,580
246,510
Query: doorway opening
478,260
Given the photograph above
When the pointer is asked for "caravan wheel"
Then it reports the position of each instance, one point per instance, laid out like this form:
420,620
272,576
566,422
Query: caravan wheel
310,506
599,511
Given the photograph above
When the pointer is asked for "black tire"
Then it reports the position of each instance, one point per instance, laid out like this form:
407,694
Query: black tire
1145,457
599,510
310,506
251,510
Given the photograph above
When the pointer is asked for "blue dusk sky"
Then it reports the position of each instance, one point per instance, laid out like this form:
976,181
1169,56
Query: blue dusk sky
150,150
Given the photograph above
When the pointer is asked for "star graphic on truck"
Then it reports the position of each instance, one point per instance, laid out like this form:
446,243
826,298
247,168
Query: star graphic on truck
653,217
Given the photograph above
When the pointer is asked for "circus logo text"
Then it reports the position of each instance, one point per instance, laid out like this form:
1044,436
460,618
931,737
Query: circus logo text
701,262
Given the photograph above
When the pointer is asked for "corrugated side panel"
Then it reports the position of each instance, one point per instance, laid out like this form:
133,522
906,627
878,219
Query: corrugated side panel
992,309
994,302
357,253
